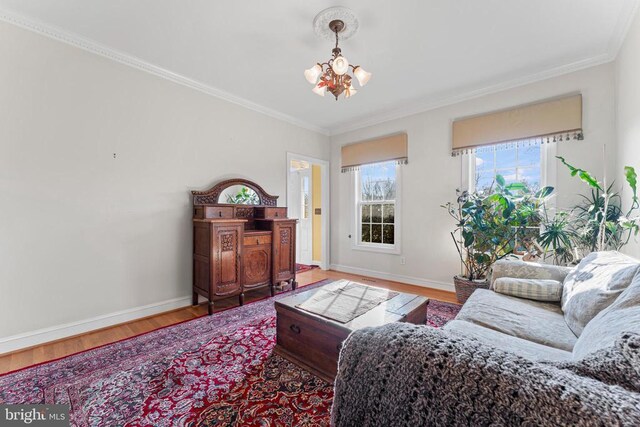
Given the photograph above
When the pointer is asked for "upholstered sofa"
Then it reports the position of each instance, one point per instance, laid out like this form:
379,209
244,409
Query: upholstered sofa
545,345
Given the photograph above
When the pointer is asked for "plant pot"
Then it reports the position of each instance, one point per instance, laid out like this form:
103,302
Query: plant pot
465,287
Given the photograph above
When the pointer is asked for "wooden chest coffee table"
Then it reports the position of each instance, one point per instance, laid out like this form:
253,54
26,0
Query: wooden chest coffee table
313,341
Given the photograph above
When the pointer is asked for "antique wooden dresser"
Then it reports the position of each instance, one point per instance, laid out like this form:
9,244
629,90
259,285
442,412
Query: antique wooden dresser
241,241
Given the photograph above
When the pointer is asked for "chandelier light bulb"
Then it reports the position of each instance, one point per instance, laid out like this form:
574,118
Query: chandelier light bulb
362,76
313,73
350,92
340,65
318,90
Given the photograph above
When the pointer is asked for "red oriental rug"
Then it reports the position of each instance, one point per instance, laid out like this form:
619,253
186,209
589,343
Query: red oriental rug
212,371
301,268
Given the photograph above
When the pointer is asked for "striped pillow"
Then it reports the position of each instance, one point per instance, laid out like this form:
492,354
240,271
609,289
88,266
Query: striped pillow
534,289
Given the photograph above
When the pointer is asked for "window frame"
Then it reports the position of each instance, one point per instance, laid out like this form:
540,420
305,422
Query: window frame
548,172
548,169
356,225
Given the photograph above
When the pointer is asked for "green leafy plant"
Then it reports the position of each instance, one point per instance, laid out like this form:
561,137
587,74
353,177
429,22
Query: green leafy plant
599,220
244,197
556,238
488,224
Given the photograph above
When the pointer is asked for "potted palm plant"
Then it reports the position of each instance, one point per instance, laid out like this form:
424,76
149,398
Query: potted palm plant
488,226
596,223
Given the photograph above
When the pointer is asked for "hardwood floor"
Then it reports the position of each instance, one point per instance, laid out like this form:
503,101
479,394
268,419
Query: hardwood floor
67,346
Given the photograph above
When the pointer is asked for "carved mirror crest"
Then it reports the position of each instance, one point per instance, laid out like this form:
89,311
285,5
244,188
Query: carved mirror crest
235,192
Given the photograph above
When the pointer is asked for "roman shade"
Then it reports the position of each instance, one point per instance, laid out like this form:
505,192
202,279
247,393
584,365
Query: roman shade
388,148
548,121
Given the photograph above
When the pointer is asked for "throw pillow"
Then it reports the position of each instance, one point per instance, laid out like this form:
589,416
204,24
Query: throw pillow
534,289
592,286
620,317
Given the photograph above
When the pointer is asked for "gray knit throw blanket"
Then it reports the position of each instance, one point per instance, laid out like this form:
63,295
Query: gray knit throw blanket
408,375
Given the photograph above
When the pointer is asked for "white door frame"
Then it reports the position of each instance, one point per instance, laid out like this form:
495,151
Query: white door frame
305,226
324,203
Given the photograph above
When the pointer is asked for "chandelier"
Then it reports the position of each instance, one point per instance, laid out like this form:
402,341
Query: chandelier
333,75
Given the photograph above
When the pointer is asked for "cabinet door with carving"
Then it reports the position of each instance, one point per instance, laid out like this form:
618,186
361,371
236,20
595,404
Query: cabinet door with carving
284,245
227,268
257,265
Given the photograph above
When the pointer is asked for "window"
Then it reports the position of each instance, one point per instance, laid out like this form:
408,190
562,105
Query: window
377,190
515,163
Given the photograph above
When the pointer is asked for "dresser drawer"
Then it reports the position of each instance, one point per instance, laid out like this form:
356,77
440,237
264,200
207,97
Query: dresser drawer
210,212
260,239
271,213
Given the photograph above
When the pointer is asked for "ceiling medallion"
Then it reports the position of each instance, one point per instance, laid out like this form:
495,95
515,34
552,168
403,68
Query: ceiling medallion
333,75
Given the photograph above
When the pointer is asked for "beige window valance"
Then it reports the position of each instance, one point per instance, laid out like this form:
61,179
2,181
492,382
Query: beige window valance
388,148
547,121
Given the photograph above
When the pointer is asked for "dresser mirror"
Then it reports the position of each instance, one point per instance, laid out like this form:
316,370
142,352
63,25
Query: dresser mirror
239,195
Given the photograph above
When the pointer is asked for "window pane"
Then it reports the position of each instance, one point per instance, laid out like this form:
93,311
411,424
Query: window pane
387,234
376,233
530,176
366,233
509,175
514,164
484,159
389,189
484,180
529,156
505,157
366,213
376,213
378,181
388,213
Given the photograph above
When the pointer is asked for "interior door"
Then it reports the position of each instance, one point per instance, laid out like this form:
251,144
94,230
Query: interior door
305,223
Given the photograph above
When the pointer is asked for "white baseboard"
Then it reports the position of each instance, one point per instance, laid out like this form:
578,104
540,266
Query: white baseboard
40,336
418,281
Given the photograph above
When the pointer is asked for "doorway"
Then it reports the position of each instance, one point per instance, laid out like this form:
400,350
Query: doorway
308,201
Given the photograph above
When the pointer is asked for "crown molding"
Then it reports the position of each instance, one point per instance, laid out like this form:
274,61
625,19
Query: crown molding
615,44
625,20
429,104
88,45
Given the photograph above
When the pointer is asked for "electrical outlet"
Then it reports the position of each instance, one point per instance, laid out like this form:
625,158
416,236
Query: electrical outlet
403,260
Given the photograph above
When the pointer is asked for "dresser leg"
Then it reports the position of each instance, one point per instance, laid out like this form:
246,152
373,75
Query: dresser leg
210,308
194,299
272,289
241,298
294,284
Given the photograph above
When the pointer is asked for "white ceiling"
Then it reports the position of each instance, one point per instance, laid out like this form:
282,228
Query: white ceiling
422,53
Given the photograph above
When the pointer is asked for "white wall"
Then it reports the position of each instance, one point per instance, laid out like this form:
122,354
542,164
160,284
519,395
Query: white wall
84,234
432,175
628,111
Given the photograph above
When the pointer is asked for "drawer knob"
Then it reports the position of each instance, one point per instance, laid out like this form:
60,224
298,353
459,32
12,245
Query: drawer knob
257,241
220,214
295,329
276,214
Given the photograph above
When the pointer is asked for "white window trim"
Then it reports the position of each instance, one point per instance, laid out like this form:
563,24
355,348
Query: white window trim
548,169
396,248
